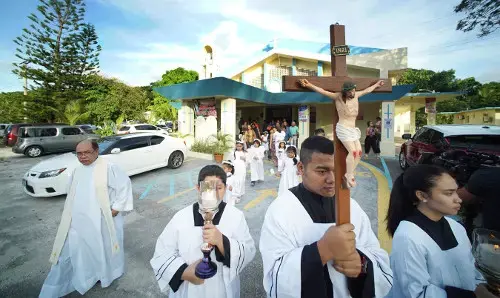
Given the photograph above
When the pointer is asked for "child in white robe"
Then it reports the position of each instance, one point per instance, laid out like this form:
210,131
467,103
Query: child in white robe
265,143
287,170
431,254
228,167
281,151
256,160
177,251
240,170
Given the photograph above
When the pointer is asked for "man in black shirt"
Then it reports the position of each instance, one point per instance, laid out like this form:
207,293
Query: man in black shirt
483,187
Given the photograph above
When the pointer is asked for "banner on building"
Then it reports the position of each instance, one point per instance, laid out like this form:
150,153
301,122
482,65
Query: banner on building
430,105
205,108
303,114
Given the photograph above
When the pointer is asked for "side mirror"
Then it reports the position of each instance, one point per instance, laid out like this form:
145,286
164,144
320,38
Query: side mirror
115,150
406,136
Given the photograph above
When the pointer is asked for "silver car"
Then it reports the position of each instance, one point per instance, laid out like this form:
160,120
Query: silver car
3,126
37,140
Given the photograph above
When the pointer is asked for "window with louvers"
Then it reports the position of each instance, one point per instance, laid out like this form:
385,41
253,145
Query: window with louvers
306,72
277,72
257,81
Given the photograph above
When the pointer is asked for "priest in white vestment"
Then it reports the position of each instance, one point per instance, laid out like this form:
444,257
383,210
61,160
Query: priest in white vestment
304,253
89,243
178,248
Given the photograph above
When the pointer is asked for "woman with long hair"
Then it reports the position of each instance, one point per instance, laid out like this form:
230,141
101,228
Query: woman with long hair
431,254
249,136
371,140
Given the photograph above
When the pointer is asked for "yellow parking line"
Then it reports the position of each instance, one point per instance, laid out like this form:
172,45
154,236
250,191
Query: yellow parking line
263,194
382,206
176,195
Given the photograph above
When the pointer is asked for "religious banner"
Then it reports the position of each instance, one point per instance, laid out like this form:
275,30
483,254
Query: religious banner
205,108
430,105
303,114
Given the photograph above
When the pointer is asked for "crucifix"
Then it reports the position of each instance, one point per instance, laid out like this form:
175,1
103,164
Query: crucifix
346,103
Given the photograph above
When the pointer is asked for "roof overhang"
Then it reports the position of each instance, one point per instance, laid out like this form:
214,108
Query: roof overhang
415,101
226,88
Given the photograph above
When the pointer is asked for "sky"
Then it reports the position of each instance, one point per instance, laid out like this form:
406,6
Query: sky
141,39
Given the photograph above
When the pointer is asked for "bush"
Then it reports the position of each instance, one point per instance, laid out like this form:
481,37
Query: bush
108,129
204,146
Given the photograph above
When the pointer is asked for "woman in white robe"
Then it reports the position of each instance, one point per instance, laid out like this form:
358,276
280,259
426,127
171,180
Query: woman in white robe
240,170
178,252
431,254
287,170
256,161
279,136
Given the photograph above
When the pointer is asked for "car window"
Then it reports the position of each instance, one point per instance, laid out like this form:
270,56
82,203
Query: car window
155,140
28,132
475,142
139,127
425,136
132,143
148,127
71,131
2,126
437,137
47,132
105,143
124,128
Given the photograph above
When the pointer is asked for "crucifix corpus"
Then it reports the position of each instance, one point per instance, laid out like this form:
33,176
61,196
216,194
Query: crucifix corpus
344,92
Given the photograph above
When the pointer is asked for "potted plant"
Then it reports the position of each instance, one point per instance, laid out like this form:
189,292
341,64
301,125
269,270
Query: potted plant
222,144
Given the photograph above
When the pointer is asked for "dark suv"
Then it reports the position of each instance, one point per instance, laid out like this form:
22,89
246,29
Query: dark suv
12,131
435,139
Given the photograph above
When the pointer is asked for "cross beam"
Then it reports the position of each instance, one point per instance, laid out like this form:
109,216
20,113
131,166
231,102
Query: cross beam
334,84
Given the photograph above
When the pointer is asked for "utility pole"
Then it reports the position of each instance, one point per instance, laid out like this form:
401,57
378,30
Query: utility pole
25,90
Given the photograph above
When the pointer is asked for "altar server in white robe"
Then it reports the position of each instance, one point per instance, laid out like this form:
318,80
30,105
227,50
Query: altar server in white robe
287,170
240,170
231,182
304,253
89,241
178,248
431,254
256,155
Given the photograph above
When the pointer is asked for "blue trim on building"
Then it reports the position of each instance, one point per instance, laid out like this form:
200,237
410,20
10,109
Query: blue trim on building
320,68
294,67
265,72
314,47
229,88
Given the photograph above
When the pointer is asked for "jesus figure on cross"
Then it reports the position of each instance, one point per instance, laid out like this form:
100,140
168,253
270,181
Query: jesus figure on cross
347,105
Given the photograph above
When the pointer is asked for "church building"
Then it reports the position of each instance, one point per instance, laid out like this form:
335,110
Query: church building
254,91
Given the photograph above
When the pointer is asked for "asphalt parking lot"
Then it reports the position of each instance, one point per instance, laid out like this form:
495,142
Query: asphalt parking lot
28,225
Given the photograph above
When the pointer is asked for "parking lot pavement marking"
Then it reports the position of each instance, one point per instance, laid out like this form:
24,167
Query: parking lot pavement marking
363,174
172,185
383,194
176,195
189,176
147,190
263,194
386,172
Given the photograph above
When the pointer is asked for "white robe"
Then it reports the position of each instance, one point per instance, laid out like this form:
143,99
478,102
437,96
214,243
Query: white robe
288,228
240,172
421,267
278,137
86,256
231,182
256,165
180,242
265,142
289,175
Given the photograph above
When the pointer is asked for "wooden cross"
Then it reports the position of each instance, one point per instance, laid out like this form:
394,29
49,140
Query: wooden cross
339,50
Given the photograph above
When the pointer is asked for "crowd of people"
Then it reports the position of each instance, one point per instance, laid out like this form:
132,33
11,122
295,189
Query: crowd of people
304,252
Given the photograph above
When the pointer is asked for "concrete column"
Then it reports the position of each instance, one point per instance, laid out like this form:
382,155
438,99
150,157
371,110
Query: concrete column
430,109
294,67
320,68
185,115
387,147
413,121
304,123
228,117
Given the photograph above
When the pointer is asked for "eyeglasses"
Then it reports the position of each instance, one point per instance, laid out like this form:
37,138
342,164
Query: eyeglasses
84,153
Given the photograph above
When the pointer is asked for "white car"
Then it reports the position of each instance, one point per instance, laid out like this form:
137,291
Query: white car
134,153
134,128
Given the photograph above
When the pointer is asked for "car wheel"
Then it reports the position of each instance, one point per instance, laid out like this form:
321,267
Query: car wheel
175,160
402,160
33,151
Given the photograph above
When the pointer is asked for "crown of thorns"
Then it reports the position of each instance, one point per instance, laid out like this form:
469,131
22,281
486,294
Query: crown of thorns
347,86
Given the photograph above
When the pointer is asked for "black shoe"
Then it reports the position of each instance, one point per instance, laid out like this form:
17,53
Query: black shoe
252,183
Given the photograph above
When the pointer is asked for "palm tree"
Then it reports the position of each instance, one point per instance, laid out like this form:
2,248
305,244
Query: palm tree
72,113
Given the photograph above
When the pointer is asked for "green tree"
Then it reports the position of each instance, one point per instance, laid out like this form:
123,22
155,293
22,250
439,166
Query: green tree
56,52
108,99
12,107
480,13
163,108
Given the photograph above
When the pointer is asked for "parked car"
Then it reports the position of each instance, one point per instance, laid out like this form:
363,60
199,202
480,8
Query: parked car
134,128
165,127
34,141
88,128
435,139
3,126
11,131
134,153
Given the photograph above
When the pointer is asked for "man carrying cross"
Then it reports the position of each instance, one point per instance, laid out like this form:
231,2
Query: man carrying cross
306,251
347,104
